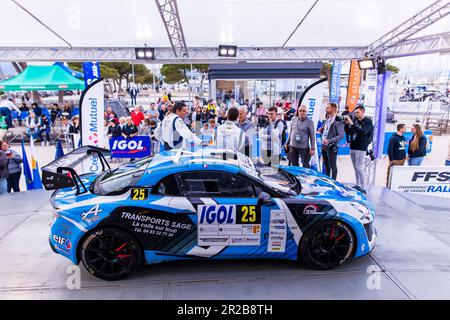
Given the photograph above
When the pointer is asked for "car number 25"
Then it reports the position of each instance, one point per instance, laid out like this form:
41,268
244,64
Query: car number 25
139,194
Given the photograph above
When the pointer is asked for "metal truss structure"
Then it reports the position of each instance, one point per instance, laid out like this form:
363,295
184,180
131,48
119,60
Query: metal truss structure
396,43
405,30
168,10
422,45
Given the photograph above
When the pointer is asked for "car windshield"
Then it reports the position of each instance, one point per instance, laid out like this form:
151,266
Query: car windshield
275,178
120,179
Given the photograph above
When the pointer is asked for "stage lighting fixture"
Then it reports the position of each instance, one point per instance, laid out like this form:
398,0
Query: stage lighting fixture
145,53
366,63
227,51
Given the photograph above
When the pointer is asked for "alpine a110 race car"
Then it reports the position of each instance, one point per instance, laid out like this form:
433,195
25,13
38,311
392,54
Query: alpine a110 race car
211,203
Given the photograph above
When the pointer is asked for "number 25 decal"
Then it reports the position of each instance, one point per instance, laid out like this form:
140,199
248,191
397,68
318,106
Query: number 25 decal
139,194
248,214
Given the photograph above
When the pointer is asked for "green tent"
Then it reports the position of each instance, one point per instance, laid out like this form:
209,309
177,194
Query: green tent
42,78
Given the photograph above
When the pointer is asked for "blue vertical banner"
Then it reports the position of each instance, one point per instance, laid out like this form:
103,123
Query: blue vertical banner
91,72
335,82
380,113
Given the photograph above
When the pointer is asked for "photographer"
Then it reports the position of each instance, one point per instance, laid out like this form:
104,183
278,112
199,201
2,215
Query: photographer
332,132
271,139
359,130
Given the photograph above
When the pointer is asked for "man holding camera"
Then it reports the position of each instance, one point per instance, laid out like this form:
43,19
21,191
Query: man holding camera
332,132
271,139
359,131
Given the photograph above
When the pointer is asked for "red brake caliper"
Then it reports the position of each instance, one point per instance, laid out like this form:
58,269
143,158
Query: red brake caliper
121,256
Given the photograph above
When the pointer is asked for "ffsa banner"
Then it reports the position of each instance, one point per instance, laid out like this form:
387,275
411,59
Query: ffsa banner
312,98
433,181
136,147
92,107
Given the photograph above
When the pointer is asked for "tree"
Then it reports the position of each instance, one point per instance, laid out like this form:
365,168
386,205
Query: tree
175,73
392,68
172,74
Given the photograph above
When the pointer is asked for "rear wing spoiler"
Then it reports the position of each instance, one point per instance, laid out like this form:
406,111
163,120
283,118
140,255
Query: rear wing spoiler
61,172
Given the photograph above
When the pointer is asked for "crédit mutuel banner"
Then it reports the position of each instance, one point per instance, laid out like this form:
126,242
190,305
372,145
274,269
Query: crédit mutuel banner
312,97
92,106
354,80
432,181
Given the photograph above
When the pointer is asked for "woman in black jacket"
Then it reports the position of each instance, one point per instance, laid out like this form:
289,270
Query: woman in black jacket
417,146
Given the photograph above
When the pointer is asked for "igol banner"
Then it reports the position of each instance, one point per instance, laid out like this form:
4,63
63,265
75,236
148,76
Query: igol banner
136,147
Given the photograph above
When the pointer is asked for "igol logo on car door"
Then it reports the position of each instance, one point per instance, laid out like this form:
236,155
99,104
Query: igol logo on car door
229,225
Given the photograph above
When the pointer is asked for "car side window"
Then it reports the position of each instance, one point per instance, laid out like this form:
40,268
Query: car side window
167,186
214,184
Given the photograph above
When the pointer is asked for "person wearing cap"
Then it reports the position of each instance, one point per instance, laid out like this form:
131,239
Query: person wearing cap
173,132
74,127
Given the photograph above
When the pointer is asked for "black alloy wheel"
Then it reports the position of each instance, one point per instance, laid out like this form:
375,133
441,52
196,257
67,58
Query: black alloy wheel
110,254
327,244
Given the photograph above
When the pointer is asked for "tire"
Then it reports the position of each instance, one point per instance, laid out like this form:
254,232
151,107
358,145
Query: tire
326,245
110,254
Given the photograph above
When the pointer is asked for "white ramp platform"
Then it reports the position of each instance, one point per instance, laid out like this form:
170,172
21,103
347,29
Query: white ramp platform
411,261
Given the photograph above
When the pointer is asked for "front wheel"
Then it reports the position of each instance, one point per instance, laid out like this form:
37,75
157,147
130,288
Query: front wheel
326,245
110,254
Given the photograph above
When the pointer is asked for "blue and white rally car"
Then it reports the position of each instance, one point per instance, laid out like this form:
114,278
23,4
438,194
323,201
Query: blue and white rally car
212,203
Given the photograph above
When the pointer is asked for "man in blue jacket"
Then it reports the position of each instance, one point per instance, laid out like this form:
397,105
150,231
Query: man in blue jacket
396,150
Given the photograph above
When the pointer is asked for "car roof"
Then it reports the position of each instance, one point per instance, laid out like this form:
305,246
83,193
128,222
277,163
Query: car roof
210,156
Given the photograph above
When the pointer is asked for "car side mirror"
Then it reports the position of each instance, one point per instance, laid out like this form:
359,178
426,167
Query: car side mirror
264,198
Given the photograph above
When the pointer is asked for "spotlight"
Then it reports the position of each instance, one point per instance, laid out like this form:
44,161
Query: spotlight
366,63
145,53
227,51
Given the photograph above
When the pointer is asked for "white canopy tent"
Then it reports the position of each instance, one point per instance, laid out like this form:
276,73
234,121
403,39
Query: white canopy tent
189,30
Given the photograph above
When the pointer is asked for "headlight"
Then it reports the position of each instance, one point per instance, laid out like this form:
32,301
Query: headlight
361,208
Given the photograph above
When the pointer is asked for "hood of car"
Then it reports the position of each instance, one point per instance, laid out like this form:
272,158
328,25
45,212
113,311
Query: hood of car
317,185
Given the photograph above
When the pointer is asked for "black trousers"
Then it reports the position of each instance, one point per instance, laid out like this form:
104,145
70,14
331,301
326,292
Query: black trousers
303,153
329,161
13,182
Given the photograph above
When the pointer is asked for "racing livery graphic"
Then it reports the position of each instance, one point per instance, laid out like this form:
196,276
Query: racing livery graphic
208,204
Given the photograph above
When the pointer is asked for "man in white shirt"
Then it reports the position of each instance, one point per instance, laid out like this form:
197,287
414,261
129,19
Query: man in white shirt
229,135
173,132
271,139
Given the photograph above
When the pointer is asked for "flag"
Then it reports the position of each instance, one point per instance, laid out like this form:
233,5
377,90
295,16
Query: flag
26,169
37,182
59,150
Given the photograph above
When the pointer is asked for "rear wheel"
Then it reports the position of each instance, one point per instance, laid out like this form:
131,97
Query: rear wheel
327,244
110,254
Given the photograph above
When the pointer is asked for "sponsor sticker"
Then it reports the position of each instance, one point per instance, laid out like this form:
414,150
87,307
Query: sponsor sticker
277,232
213,241
91,215
233,224
310,209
